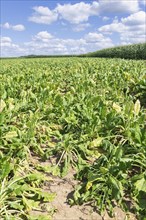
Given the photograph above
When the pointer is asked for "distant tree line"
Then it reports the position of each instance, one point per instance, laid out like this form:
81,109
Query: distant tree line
47,56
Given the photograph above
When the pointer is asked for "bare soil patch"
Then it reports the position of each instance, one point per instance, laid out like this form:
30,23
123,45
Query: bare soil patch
64,188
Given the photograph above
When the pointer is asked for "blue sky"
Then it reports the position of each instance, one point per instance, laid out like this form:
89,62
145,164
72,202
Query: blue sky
69,27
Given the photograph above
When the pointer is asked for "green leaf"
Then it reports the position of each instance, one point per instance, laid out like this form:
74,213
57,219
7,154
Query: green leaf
39,217
47,197
118,153
141,184
16,206
117,188
103,170
6,169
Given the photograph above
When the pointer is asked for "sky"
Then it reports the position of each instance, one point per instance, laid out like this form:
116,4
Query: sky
69,26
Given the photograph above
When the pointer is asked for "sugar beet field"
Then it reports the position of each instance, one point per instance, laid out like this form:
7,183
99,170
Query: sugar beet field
80,115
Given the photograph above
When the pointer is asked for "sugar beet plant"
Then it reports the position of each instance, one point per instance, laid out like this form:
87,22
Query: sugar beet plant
90,114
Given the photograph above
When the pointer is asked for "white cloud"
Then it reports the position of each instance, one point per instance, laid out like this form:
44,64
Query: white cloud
135,19
105,18
93,37
6,25
113,27
18,27
8,48
81,27
5,41
80,12
114,6
43,36
73,13
98,41
77,13
43,15
131,29
43,43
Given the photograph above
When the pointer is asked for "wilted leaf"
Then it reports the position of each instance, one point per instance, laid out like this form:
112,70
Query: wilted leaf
29,203
88,185
96,142
2,105
137,107
116,107
11,106
11,135
26,203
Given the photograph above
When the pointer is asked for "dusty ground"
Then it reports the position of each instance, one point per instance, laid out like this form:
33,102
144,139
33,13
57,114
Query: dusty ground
63,188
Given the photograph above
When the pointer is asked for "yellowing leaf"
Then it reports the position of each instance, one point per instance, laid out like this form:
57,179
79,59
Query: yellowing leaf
116,107
29,204
11,106
137,107
88,185
2,105
11,134
96,142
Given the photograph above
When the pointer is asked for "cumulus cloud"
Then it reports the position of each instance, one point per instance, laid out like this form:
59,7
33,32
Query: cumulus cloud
43,15
43,43
90,42
105,18
138,18
131,29
8,48
43,36
5,41
18,27
113,27
114,6
77,13
73,13
81,27
98,41
53,43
